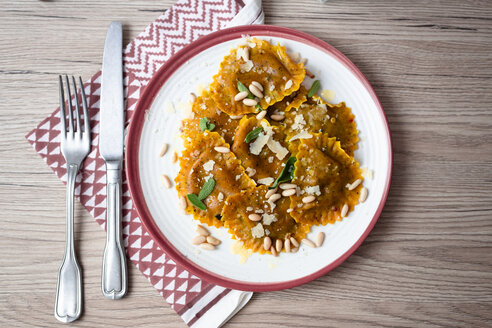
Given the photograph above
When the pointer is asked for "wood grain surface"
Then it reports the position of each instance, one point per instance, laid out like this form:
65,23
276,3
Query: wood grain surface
427,263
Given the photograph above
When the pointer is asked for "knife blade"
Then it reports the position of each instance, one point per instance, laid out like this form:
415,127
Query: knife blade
111,141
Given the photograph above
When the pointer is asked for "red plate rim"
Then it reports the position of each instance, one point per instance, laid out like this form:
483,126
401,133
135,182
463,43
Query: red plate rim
136,126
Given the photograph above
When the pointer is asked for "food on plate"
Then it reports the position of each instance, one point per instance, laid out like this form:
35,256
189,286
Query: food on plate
264,156
262,73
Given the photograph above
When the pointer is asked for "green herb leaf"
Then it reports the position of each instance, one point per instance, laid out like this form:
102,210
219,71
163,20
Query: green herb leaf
206,125
196,202
314,88
287,173
258,107
253,134
206,189
241,87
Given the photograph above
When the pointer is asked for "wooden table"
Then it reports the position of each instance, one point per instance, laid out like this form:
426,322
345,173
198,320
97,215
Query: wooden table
428,262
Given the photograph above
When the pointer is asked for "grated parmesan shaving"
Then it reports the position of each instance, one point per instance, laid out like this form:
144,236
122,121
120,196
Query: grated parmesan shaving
257,231
208,166
301,135
269,219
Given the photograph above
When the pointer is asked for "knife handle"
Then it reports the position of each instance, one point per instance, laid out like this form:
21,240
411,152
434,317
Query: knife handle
114,275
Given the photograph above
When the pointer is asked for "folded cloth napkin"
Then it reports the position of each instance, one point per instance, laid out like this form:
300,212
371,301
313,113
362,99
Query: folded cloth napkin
199,303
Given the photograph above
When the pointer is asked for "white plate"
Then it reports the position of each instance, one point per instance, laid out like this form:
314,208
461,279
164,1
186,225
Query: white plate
158,207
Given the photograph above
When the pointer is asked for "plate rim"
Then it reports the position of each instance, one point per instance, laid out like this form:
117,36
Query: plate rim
137,123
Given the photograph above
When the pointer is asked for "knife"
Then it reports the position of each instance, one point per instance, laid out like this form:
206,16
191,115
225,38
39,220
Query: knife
111,139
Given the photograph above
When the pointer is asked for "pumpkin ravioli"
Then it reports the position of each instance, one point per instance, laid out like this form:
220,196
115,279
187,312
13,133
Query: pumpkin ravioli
325,170
204,106
276,223
265,155
268,65
200,162
317,116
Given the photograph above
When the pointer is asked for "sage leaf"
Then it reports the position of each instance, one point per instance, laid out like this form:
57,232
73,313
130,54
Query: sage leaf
241,87
206,125
196,202
253,134
314,88
206,189
287,173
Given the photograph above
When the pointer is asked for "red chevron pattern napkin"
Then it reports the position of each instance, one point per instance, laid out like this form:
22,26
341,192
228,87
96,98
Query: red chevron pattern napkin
199,303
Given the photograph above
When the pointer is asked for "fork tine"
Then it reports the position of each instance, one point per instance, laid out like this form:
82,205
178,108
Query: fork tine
77,107
87,120
70,108
63,117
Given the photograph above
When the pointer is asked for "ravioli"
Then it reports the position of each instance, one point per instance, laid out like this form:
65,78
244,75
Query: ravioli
318,116
268,65
324,170
204,106
322,137
294,100
265,155
276,223
199,162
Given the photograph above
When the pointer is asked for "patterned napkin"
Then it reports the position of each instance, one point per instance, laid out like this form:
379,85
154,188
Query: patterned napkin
199,303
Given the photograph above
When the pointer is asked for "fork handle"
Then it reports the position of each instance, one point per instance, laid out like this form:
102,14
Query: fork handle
68,301
114,275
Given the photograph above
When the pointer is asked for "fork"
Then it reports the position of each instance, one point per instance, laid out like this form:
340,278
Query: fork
75,145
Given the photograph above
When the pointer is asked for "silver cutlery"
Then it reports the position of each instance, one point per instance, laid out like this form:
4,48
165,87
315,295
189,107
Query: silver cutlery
111,139
75,145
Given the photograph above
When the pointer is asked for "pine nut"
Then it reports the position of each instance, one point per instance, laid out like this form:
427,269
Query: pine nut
237,117
287,245
320,238
308,242
287,186
250,102
294,241
363,195
202,231
261,115
267,243
163,149
254,217
207,246
289,192
166,182
174,158
197,240
288,85
277,117
254,90
278,245
223,150
294,250
355,184
274,198
344,211
270,192
258,85
241,95
183,204
212,240
273,251
308,199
